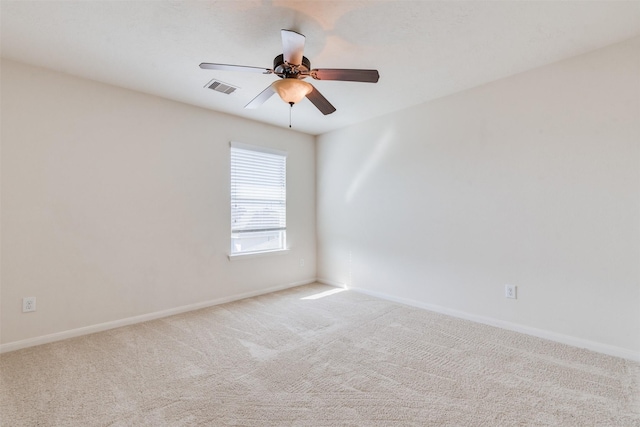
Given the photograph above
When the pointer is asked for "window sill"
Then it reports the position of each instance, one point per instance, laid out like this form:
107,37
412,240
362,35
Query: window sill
249,255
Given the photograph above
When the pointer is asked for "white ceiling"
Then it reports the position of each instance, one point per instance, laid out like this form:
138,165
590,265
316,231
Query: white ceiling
422,49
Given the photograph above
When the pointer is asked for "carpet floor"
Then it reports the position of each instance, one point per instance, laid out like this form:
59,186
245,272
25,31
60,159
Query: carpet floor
298,358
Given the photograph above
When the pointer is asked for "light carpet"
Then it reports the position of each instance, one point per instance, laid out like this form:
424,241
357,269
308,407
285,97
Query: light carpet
345,359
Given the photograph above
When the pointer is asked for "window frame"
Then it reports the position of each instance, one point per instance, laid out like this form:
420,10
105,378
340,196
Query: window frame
283,248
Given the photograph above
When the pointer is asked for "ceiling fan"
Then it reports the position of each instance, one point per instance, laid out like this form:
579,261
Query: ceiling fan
292,67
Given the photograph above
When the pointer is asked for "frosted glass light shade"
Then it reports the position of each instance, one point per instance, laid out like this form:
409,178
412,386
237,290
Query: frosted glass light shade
291,90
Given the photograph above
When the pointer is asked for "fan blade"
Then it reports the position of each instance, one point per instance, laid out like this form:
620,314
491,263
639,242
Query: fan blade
225,67
292,46
261,98
320,102
348,75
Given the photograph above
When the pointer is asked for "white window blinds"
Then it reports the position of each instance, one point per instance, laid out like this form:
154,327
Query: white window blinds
258,199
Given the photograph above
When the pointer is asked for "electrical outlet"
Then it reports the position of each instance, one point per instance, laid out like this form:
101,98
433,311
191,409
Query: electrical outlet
301,262
28,304
510,291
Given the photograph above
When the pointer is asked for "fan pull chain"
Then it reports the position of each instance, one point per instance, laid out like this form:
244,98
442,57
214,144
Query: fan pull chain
290,108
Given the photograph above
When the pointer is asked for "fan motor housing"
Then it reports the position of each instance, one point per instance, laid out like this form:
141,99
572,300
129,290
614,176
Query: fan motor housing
291,71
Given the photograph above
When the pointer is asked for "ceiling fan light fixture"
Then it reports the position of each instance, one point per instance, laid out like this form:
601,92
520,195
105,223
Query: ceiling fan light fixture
291,90
292,66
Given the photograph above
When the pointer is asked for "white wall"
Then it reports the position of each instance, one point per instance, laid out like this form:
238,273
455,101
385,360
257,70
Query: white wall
116,204
532,180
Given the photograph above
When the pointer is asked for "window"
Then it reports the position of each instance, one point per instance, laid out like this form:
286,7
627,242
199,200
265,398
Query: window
258,199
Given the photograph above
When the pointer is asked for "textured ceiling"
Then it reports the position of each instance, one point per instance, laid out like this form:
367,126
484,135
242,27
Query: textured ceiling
423,49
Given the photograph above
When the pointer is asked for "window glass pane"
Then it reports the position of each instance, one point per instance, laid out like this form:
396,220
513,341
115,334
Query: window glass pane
257,241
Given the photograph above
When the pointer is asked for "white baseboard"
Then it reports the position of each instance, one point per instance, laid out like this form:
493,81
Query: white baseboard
552,336
540,333
58,336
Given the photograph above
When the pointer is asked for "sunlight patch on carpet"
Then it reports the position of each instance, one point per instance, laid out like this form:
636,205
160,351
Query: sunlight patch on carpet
325,294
